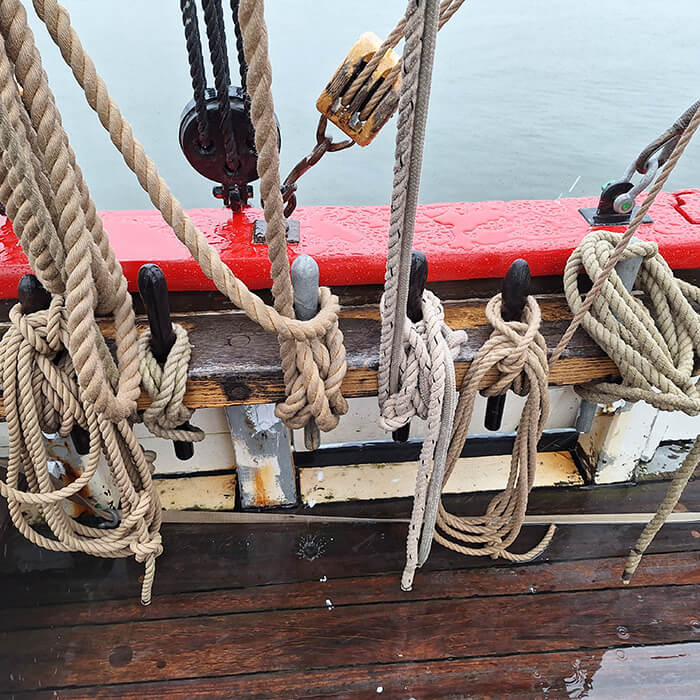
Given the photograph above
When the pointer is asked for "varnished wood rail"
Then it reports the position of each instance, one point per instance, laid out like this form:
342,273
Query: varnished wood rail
235,362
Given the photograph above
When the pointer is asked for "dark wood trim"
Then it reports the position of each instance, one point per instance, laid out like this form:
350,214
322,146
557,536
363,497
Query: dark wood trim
559,440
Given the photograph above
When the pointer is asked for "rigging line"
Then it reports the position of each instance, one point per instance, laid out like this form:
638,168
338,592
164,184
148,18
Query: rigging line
242,65
216,35
196,61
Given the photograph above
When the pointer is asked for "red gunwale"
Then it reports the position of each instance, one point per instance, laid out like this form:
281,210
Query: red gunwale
463,240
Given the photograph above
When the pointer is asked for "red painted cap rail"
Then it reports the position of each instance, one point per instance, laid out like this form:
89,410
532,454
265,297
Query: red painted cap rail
463,240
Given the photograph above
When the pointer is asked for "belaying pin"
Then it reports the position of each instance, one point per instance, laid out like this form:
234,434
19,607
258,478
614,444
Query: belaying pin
516,287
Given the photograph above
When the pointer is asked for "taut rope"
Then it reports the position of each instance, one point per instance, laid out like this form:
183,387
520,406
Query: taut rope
313,354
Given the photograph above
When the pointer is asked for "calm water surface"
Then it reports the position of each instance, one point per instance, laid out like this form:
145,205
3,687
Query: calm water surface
530,99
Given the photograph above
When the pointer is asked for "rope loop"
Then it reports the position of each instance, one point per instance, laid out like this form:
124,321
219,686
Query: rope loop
518,346
654,345
421,354
314,372
166,386
42,396
654,351
518,351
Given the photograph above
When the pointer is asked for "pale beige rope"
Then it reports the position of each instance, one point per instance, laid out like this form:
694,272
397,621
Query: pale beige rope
427,390
41,396
314,366
683,474
37,357
654,348
619,250
166,385
81,279
518,351
416,368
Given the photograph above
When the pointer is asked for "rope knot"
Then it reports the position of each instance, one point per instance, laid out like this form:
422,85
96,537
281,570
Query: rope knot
166,385
34,346
654,351
516,348
314,369
427,345
147,546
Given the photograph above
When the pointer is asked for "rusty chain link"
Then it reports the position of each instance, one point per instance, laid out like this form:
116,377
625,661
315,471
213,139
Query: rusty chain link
324,144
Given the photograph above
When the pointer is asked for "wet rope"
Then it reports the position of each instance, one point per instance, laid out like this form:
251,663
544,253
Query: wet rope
654,348
416,368
166,385
52,215
313,354
188,9
518,351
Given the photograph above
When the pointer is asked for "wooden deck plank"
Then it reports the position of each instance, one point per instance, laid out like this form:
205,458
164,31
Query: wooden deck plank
647,672
200,558
594,574
362,634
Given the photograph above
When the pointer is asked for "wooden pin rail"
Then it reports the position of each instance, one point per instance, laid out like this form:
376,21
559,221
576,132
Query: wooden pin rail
235,362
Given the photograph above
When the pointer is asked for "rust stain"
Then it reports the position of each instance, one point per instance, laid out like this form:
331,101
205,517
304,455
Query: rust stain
265,484
71,474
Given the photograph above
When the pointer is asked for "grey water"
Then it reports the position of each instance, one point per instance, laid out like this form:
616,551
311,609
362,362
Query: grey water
530,100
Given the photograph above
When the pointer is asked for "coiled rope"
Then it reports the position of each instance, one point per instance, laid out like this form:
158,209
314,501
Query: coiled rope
42,396
636,347
42,352
519,353
673,383
654,347
59,230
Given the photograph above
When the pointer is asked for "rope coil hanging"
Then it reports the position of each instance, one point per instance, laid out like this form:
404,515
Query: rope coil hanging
519,353
59,230
416,368
654,348
687,128
42,352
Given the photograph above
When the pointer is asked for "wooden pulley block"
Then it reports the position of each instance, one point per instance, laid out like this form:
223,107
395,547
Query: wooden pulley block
355,119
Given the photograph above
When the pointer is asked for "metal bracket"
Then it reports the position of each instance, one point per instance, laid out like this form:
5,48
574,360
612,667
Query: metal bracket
260,227
606,214
590,214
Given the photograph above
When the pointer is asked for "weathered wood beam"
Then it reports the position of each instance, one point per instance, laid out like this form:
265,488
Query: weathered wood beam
235,362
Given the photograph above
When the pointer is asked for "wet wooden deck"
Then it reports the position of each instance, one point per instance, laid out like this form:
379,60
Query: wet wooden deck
315,610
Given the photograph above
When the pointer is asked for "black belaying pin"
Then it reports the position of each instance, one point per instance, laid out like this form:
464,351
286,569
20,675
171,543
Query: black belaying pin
414,310
153,289
516,287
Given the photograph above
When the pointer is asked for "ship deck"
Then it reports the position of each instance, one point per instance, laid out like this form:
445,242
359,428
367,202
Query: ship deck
314,609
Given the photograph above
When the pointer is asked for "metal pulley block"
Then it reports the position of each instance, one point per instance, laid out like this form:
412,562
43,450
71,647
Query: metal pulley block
365,114
235,170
